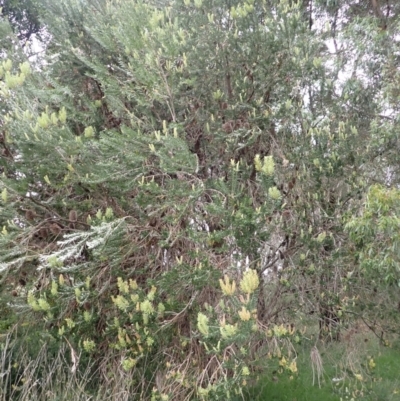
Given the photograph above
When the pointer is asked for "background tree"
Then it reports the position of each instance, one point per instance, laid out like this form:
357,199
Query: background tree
161,148
23,16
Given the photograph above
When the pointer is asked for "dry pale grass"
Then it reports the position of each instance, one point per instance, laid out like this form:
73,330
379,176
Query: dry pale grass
316,365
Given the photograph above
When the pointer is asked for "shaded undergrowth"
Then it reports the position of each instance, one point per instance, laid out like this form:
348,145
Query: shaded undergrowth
356,368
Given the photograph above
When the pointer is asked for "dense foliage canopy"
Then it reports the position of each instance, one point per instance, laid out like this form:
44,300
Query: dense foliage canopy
187,184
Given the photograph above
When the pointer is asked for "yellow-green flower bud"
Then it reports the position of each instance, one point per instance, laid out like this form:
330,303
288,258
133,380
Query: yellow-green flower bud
128,364
202,324
269,165
32,302
43,304
280,330
4,195
109,213
227,287
147,307
245,371
228,330
274,193
293,367
249,282
87,316
123,286
54,288
44,120
121,302
62,115
321,237
257,163
89,132
25,68
89,345
244,314
151,294
133,284
7,65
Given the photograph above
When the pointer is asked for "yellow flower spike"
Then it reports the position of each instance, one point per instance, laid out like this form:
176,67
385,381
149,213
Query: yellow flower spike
371,364
228,330
128,364
202,324
147,307
7,65
274,193
25,68
89,345
244,314
245,371
133,284
121,302
4,195
160,308
32,302
53,118
121,340
44,120
227,287
109,213
293,367
89,132
280,330
151,294
54,288
257,163
78,293
358,377
62,115
122,286
268,167
250,281
321,237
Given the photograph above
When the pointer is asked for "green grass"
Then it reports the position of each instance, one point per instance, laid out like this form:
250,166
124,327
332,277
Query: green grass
343,360
295,390
298,388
